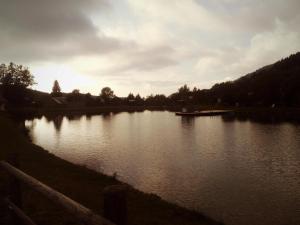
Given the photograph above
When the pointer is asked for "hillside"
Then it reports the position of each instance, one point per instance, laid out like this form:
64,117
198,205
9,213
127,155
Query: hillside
278,84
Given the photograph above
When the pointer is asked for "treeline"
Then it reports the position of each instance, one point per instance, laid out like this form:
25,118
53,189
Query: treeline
274,85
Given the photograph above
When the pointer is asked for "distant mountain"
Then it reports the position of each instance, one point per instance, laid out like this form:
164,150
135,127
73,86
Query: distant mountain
278,84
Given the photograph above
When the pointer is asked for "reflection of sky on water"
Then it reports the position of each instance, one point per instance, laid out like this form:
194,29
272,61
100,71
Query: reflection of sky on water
238,171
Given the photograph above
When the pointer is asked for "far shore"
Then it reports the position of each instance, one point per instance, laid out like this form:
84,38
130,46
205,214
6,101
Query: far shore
264,114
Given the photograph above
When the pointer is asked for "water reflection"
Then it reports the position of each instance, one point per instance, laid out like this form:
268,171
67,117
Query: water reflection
57,119
262,117
240,172
88,117
108,116
188,122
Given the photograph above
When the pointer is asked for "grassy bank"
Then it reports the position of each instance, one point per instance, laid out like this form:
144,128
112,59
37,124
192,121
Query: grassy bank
81,184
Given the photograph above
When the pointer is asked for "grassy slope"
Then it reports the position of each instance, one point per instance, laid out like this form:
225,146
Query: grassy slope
82,185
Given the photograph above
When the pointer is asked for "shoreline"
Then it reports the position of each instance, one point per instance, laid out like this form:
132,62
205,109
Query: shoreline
72,179
255,114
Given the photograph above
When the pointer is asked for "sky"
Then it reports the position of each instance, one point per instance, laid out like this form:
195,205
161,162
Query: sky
142,46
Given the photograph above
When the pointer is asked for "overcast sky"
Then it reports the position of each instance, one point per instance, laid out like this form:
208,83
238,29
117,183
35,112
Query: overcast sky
143,46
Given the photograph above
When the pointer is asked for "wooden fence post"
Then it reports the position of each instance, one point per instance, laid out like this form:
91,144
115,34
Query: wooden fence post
15,194
115,204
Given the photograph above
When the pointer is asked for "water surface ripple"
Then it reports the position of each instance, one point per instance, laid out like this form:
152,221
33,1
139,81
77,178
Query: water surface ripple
239,172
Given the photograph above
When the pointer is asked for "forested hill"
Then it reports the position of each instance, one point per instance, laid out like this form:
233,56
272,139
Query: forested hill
278,84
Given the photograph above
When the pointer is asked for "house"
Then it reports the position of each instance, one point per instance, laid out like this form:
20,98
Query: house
60,100
54,102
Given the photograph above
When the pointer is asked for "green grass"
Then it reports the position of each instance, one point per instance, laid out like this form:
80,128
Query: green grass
81,184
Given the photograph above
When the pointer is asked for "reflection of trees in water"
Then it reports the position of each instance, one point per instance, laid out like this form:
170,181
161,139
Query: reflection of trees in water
71,117
88,117
131,112
261,117
188,133
228,118
49,118
56,119
108,115
58,122
188,122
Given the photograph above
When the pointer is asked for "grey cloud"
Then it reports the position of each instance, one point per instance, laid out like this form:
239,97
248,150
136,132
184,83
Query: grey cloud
39,30
160,83
148,59
58,30
155,83
253,15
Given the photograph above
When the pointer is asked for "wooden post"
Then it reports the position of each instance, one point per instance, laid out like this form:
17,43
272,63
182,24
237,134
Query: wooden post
115,204
14,192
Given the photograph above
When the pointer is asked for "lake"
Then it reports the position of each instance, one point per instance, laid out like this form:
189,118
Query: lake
239,172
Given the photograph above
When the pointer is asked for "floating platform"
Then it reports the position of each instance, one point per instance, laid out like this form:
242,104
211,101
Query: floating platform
204,113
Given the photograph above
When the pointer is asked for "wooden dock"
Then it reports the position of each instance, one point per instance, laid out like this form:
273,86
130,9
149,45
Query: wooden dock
204,113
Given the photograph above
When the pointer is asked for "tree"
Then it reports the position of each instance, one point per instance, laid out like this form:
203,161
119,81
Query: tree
74,95
156,100
184,90
90,100
15,76
76,92
195,90
56,91
14,79
107,94
139,100
130,96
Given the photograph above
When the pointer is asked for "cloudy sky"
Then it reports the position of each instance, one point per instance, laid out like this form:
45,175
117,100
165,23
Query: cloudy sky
145,46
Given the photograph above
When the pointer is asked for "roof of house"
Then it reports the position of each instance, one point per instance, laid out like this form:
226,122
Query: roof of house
59,100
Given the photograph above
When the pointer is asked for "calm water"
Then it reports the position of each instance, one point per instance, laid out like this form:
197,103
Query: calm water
237,172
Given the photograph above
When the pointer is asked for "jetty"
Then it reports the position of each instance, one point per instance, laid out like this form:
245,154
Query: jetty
204,113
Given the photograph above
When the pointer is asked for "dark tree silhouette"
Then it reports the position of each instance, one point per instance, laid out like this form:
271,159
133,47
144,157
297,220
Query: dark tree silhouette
139,100
90,100
134,100
107,94
130,97
157,100
15,75
184,90
76,92
56,91
74,96
14,79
